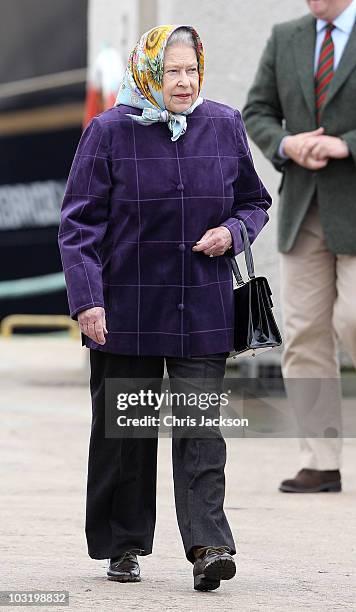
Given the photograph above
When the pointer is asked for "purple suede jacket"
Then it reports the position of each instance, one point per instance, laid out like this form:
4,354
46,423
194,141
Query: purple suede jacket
134,206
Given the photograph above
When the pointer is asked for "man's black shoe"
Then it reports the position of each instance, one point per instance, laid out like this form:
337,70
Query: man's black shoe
213,565
313,481
124,568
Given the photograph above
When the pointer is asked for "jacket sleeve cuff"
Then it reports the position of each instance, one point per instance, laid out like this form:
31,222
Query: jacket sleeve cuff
74,313
233,225
350,139
281,151
279,159
84,287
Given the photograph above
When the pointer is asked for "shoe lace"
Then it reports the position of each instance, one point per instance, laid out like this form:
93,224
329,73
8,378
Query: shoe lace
125,555
216,549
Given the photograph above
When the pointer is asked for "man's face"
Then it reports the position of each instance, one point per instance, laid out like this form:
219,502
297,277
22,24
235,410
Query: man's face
327,9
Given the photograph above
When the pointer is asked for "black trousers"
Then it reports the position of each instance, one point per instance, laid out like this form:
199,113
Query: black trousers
121,486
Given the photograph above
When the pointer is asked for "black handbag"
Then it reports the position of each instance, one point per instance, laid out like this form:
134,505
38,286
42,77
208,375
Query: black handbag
255,328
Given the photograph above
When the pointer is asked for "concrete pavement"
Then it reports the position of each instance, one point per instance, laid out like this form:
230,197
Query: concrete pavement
294,552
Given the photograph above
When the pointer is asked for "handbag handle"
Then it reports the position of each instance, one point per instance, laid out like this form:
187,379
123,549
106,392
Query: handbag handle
248,257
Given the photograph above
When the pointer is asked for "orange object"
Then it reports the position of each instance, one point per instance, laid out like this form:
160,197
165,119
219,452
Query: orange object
104,81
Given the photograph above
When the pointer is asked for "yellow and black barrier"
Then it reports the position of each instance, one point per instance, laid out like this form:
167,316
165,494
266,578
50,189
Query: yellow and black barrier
9,323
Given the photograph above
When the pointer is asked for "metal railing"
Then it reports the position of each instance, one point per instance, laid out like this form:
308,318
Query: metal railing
9,323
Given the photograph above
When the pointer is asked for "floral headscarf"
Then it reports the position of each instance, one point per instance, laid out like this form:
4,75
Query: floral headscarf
141,86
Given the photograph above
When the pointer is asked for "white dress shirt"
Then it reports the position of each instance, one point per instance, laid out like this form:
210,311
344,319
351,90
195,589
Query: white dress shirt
340,35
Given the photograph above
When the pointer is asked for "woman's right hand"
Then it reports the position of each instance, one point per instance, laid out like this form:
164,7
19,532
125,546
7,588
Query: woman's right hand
93,324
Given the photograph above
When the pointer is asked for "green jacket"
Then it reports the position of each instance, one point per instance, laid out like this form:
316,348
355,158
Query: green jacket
281,102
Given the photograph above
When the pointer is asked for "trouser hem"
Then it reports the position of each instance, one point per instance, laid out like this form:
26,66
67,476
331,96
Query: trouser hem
112,554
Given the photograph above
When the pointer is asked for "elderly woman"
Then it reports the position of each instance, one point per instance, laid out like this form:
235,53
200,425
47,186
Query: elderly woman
149,221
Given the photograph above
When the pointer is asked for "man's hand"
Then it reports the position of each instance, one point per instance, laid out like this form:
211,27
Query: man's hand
215,241
324,147
92,323
296,147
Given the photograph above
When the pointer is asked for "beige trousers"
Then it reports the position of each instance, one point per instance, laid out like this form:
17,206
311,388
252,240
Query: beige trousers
318,291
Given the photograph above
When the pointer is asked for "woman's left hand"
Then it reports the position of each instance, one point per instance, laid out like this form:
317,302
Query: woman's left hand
214,242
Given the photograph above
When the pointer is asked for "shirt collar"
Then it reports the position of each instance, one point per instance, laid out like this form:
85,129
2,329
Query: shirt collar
344,22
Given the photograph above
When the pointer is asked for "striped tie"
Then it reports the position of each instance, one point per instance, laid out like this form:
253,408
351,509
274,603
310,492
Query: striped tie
325,71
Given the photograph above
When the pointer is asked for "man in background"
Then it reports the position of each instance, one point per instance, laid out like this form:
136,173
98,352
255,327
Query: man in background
301,112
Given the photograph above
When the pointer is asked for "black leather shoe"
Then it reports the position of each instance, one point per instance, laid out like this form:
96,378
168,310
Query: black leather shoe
124,568
213,565
313,481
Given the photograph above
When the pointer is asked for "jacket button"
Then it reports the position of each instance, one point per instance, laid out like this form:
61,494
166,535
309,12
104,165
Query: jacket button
180,187
181,247
180,306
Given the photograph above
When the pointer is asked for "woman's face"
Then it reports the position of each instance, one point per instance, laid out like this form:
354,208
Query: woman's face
180,78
